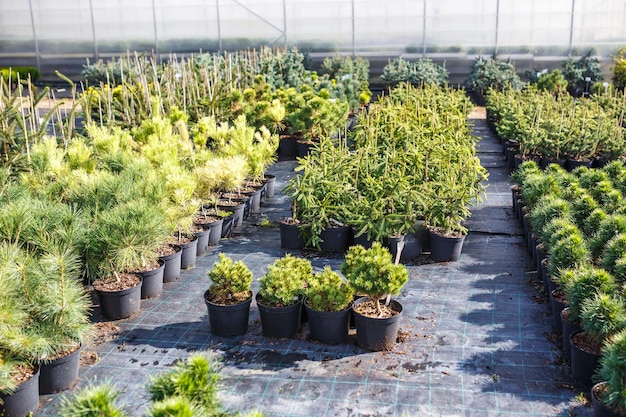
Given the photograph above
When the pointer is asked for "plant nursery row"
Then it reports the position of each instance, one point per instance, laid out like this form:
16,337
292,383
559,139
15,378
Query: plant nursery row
153,163
575,228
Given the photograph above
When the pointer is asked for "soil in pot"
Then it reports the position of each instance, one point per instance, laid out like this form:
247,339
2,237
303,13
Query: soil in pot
228,320
600,409
585,356
171,255
212,224
60,373
24,401
280,322
376,333
152,280
119,300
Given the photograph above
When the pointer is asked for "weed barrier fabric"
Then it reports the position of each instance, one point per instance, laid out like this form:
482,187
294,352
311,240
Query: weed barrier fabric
475,337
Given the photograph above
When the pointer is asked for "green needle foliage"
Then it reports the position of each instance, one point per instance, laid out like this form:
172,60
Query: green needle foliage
612,370
174,407
327,291
124,239
614,250
602,316
548,208
195,380
285,280
568,252
189,389
373,273
229,280
93,401
585,284
610,227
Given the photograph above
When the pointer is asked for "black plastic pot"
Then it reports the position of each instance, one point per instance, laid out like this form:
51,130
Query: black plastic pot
215,232
280,322
270,185
377,334
411,250
255,201
567,328
171,270
290,236
59,374
304,147
362,240
444,248
227,225
287,148
329,327
22,402
117,305
152,281
237,211
203,241
422,235
334,239
557,306
188,257
583,363
228,320
600,409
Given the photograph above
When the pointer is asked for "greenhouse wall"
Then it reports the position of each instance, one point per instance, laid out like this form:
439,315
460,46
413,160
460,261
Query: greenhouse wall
64,34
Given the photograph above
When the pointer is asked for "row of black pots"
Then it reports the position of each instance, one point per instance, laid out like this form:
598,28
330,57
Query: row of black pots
338,239
373,334
514,159
50,377
582,363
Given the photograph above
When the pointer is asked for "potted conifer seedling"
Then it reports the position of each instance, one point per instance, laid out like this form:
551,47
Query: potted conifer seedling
280,296
609,394
121,241
229,296
327,302
373,273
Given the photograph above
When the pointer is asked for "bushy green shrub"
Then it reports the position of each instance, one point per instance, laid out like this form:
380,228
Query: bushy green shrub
327,291
490,73
417,73
619,69
285,280
577,71
602,316
585,284
612,370
230,281
93,401
373,273
20,73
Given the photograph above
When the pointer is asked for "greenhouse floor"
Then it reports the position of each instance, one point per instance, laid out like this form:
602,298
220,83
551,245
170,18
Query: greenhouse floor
476,336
